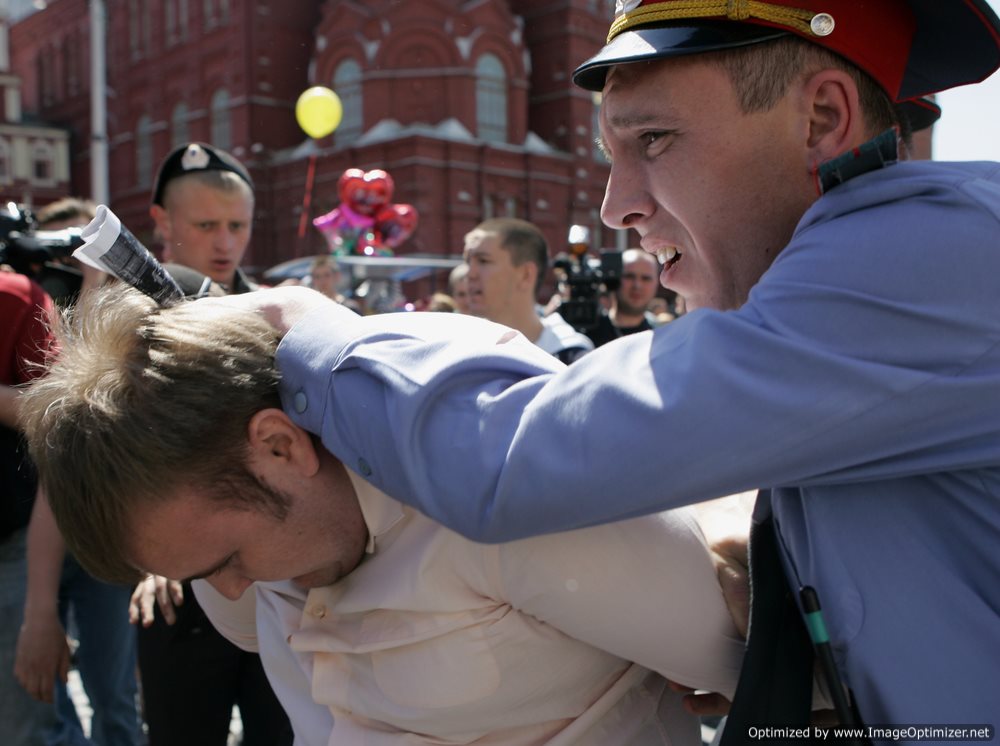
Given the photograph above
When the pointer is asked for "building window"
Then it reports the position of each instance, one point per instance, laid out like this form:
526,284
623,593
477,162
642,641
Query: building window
42,163
347,85
223,11
5,170
182,19
146,20
491,99
221,127
208,11
144,152
170,20
134,30
179,134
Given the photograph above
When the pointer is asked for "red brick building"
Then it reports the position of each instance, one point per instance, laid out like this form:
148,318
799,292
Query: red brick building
34,155
468,105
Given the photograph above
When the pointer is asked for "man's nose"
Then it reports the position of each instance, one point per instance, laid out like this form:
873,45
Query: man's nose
626,201
230,584
226,238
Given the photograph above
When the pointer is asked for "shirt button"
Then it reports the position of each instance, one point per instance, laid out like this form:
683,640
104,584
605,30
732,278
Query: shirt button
318,611
363,468
300,402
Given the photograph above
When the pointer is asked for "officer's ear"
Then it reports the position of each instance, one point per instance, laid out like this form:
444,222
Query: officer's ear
835,121
161,222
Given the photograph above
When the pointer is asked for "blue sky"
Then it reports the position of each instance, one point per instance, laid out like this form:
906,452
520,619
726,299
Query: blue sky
969,128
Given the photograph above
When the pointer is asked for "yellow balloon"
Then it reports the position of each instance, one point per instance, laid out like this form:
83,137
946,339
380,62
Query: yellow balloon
318,111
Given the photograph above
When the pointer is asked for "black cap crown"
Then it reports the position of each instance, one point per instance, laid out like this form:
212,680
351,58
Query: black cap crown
192,158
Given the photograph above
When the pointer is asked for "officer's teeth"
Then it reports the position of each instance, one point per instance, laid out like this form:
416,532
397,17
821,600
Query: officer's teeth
666,255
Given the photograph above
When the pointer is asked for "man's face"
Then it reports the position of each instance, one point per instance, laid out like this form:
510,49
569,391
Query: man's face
325,279
205,228
638,284
189,535
495,284
460,294
692,173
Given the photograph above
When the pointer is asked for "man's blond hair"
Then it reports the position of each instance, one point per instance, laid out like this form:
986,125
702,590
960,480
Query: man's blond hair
140,402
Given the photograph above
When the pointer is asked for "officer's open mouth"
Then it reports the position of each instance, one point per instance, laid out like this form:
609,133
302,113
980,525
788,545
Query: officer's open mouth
669,256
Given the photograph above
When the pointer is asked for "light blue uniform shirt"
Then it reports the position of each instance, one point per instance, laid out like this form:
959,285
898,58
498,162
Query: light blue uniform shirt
861,381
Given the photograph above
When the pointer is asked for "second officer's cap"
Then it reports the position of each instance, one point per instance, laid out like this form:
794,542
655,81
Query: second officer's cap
191,158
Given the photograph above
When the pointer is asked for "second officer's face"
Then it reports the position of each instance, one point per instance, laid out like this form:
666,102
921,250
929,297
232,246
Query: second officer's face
692,173
205,228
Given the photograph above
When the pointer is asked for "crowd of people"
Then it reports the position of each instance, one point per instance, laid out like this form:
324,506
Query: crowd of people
494,526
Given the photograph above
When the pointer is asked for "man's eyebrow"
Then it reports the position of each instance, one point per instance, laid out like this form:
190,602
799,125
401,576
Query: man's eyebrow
211,571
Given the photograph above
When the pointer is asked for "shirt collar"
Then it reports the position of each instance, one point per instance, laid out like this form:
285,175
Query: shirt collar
379,510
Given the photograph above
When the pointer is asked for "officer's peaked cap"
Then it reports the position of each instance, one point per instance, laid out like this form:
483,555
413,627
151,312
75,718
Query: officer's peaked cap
910,47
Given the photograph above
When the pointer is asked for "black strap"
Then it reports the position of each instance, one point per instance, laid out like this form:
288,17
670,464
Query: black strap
775,685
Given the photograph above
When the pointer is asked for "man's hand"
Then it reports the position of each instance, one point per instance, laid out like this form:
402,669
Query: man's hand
702,704
155,589
725,523
42,654
281,306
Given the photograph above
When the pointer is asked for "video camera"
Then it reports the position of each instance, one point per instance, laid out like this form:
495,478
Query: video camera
37,254
586,277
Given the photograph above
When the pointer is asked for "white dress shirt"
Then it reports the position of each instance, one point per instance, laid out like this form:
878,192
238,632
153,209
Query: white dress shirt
435,639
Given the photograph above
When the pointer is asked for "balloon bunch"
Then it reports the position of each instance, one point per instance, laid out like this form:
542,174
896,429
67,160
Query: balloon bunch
366,222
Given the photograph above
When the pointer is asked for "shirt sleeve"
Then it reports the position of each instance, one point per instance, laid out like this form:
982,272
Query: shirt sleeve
644,590
827,375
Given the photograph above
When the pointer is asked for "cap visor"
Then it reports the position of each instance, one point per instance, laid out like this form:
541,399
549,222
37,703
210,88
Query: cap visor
650,43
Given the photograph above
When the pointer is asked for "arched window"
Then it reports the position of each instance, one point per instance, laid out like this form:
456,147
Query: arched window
491,99
143,151
182,18
6,173
221,130
347,85
179,134
42,163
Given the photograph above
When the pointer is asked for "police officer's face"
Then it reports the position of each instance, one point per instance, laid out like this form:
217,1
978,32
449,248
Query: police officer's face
205,228
692,173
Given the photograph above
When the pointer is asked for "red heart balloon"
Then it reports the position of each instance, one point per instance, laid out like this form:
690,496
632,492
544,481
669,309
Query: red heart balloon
365,192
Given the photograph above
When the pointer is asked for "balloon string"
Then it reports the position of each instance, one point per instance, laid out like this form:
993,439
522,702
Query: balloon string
307,199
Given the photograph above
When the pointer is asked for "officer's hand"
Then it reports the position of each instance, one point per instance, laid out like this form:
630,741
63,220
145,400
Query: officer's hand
155,589
281,306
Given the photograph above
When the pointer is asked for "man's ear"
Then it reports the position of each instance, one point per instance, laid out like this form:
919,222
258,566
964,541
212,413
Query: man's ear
833,110
528,274
161,221
277,441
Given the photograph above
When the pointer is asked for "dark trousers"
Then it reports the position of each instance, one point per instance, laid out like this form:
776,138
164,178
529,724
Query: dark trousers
191,678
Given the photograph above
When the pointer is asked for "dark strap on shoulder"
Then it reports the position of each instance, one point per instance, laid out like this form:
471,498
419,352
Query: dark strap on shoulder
776,681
